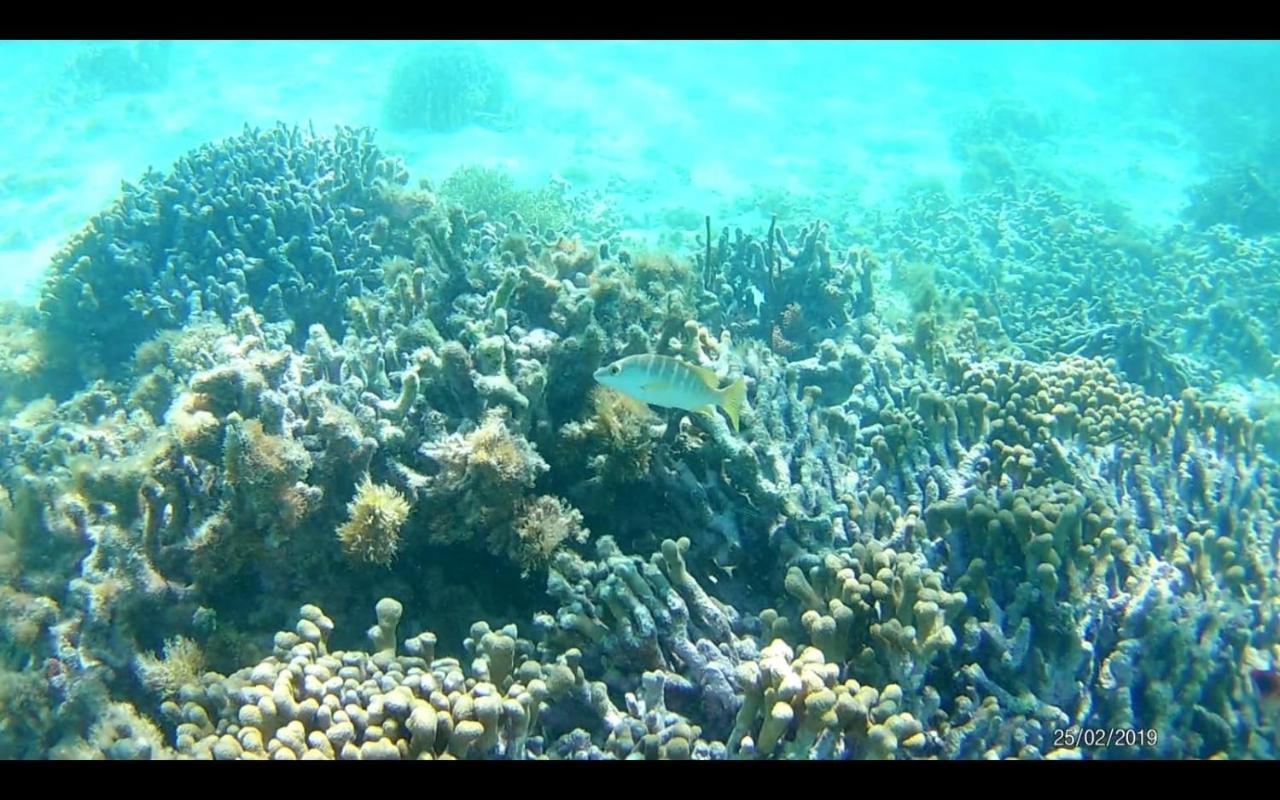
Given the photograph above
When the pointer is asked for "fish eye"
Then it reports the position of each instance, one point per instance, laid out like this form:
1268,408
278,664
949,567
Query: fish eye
615,369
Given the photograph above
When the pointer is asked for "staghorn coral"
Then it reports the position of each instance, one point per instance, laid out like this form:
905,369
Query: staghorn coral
376,514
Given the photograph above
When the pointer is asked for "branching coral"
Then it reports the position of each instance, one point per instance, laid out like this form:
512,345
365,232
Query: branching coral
160,257
931,538
494,192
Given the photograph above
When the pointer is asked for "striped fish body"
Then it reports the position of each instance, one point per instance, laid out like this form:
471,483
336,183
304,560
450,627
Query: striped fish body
672,383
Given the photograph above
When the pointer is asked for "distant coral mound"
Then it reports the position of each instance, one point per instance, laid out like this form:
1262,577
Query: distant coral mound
446,88
1240,196
99,70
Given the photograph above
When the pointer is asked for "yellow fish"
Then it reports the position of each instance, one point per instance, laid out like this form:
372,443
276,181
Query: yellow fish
670,382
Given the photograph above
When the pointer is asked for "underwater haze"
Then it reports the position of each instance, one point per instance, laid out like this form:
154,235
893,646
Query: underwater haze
640,400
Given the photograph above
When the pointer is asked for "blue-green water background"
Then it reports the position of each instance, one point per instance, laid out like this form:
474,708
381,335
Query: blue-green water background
687,125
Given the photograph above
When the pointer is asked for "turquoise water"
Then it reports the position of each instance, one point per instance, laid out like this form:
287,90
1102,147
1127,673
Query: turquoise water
1004,483
697,122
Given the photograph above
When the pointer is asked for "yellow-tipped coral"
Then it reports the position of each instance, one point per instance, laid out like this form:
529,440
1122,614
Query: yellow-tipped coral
373,531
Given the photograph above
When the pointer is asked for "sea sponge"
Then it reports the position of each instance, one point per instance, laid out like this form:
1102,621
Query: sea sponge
373,531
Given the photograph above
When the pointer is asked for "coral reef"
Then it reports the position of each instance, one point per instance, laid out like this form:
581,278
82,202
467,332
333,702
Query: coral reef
268,219
1240,197
1054,276
99,70
495,193
447,86
977,500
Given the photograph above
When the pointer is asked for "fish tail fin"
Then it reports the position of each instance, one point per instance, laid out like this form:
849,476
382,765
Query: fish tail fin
732,398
